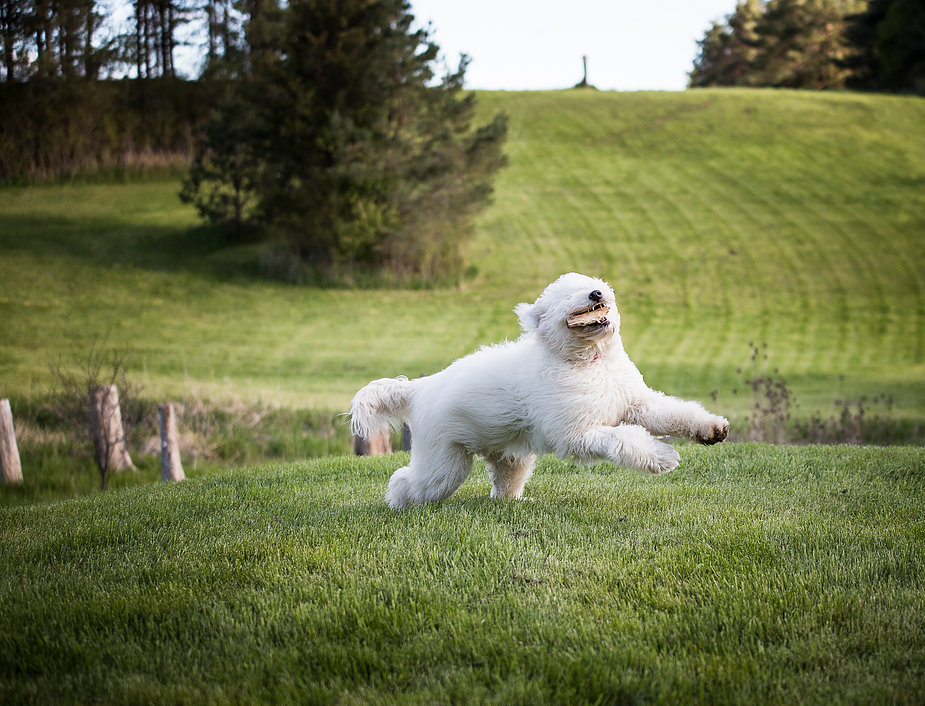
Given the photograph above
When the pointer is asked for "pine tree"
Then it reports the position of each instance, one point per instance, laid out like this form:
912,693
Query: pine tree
224,46
801,44
714,52
13,34
727,51
783,43
888,39
349,147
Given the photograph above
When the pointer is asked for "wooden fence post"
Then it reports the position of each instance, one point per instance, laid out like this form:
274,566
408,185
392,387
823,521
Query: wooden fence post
10,466
405,437
171,466
378,444
107,430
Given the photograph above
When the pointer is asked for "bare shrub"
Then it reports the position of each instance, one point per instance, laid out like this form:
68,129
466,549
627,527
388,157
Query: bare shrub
772,417
82,400
857,422
769,418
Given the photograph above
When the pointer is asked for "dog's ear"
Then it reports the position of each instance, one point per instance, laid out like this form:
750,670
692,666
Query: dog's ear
529,317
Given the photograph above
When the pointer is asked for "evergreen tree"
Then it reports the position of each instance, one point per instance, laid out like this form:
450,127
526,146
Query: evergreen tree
712,57
801,44
13,36
347,146
728,51
51,39
889,46
224,50
783,43
222,179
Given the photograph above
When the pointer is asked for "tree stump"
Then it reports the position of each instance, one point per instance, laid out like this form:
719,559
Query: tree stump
171,467
106,428
405,437
10,466
378,444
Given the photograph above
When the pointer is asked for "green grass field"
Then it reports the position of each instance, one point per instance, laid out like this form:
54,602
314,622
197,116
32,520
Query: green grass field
752,574
720,217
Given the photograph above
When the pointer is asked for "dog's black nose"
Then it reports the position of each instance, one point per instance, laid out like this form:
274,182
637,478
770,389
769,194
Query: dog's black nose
596,295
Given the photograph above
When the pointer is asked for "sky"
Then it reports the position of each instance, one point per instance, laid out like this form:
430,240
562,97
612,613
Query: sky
631,45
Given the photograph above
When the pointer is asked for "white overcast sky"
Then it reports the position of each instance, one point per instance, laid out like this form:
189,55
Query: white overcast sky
522,44
631,45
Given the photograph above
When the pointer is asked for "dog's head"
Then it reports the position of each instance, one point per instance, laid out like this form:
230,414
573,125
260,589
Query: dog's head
575,317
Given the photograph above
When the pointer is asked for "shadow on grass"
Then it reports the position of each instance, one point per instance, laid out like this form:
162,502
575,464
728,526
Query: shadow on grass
209,251
202,250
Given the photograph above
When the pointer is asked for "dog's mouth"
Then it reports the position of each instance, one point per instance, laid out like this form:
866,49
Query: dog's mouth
594,315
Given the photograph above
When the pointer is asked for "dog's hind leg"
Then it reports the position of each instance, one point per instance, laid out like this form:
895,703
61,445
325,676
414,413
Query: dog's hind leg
509,475
432,475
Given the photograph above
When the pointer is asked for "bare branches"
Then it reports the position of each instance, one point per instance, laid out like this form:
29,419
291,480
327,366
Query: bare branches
86,397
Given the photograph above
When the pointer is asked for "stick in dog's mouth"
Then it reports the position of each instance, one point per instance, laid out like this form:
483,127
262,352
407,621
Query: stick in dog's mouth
596,314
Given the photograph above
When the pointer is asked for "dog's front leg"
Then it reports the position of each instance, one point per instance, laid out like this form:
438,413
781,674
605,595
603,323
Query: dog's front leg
664,415
628,445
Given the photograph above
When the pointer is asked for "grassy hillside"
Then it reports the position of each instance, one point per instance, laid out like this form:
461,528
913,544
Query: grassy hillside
752,574
721,218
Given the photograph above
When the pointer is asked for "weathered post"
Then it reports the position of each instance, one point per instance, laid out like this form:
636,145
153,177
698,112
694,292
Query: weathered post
405,437
106,428
377,444
171,467
10,466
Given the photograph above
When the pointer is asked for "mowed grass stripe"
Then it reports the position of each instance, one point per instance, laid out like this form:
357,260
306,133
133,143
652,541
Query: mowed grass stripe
519,221
836,250
702,320
702,298
783,285
867,291
725,257
670,275
808,266
897,281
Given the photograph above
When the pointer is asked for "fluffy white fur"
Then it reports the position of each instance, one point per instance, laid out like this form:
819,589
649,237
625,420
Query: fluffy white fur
569,391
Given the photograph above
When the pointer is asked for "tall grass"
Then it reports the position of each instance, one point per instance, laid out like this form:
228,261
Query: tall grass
215,435
96,129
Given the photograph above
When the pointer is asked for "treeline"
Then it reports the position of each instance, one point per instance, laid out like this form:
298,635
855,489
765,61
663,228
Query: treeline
65,129
816,44
88,86
65,39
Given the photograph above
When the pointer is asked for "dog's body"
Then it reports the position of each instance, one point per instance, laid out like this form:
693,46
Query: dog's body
565,387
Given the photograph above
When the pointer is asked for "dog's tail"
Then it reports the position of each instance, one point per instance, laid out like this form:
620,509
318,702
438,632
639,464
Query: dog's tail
381,402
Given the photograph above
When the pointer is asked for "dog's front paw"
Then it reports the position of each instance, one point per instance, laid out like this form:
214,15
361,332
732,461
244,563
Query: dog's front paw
713,432
666,458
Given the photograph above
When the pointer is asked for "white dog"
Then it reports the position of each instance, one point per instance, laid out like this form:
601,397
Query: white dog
566,386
